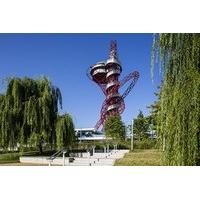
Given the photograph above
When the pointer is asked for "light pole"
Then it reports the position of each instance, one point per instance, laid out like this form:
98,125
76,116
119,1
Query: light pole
132,136
64,152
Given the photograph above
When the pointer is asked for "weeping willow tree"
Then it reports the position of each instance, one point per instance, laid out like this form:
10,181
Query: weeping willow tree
178,114
65,133
28,112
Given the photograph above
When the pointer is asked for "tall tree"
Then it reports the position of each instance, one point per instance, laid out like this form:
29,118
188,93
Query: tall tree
140,126
179,113
115,128
65,133
29,111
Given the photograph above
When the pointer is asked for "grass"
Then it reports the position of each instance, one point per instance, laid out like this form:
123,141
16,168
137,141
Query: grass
9,158
22,164
141,157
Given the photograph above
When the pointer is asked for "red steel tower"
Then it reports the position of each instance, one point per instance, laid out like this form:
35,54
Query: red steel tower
106,75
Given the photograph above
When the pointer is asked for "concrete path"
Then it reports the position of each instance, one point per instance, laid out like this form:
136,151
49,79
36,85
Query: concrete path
98,159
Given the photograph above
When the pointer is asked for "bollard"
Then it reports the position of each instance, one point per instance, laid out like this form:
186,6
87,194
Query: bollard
93,149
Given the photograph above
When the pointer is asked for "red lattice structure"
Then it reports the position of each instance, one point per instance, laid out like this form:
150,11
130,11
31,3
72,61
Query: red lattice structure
106,74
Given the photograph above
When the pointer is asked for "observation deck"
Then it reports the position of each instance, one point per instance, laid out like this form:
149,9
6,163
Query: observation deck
98,73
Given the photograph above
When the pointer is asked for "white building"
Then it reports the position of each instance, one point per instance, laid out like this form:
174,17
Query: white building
89,134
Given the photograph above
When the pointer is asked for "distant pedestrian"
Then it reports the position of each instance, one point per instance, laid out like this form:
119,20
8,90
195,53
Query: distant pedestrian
41,143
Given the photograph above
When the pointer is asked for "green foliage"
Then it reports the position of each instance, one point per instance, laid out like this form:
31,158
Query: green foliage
138,144
178,113
65,133
28,111
115,128
140,126
154,108
124,144
146,143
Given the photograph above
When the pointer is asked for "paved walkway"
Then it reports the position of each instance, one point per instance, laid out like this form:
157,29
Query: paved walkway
98,159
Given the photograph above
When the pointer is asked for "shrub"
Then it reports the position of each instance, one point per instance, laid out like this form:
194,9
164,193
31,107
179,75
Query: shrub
9,157
145,144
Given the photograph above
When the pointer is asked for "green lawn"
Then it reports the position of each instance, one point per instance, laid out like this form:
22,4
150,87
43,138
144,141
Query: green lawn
140,157
9,158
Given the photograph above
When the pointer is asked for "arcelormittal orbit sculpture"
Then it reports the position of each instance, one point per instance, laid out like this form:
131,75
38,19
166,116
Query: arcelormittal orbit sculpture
106,75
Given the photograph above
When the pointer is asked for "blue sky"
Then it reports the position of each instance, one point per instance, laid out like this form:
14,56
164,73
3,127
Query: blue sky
65,58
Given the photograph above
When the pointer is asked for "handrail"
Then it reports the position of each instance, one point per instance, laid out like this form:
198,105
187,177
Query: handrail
55,155
63,151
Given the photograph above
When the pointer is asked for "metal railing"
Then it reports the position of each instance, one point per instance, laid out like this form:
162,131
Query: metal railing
57,154
91,152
